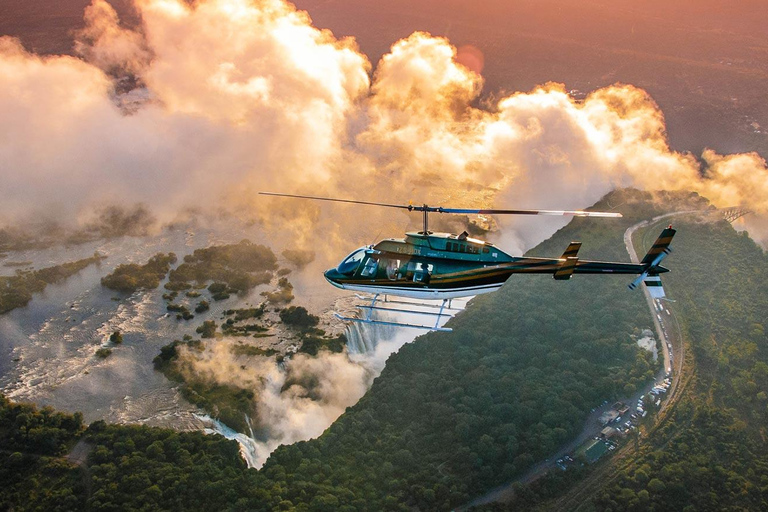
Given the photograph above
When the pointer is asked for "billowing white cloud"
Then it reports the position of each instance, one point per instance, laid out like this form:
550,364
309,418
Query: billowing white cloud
242,95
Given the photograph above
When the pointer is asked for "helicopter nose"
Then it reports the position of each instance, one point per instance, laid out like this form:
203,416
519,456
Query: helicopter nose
333,276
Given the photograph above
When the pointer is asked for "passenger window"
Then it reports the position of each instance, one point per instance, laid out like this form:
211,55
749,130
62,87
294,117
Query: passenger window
423,272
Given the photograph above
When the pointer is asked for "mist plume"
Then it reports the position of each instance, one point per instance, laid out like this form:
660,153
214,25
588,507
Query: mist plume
295,403
236,96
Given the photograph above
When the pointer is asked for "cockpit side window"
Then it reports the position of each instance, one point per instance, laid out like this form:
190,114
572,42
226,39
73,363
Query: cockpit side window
370,267
351,262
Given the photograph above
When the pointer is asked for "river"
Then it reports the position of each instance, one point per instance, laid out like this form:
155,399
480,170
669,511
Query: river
47,349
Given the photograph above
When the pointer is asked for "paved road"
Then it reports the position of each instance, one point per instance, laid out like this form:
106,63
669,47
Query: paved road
660,332
682,376
668,329
661,328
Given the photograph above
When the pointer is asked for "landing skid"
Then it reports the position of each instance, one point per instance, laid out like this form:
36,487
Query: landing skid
368,310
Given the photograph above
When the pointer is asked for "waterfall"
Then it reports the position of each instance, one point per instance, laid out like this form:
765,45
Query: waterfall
359,338
250,426
363,339
249,448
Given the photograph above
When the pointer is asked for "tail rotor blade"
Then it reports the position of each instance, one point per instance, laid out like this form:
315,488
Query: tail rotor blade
634,284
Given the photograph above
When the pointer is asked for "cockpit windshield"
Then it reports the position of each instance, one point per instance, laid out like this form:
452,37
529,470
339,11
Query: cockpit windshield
351,262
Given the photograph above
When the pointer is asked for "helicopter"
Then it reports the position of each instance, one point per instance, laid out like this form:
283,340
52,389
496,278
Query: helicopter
433,266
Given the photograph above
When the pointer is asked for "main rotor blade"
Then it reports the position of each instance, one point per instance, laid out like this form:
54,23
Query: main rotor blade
338,200
440,209
575,213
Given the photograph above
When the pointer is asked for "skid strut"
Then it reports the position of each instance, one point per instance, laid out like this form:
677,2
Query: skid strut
368,309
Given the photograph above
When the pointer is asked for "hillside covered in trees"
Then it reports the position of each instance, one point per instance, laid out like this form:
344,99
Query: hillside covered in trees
712,453
455,413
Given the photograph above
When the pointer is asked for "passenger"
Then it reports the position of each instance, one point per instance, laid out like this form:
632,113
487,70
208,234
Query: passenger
392,270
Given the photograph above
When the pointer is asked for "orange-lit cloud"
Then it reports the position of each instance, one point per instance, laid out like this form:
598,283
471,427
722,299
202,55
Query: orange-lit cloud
242,95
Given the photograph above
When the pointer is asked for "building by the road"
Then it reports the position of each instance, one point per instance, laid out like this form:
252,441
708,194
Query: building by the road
621,408
608,416
593,450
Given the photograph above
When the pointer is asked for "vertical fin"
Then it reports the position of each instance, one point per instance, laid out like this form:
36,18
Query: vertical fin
660,246
651,269
572,250
565,271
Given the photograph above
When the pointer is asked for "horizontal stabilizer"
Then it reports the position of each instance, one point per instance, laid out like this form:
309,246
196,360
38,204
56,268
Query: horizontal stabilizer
653,283
566,270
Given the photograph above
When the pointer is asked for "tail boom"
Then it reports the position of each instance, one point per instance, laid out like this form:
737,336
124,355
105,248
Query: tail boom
648,269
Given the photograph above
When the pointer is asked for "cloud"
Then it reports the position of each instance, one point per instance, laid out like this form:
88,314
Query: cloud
240,95
207,103
108,46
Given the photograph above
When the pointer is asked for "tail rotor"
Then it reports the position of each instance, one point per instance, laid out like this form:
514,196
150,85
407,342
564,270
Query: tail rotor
651,265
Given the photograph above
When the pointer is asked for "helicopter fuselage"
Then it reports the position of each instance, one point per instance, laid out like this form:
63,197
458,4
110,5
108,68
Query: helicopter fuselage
446,266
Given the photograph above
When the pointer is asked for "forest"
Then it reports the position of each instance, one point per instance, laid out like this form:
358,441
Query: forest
453,414
129,277
712,454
